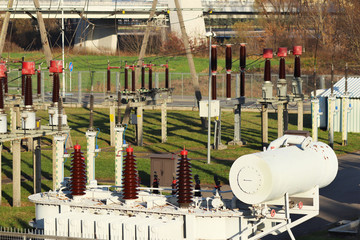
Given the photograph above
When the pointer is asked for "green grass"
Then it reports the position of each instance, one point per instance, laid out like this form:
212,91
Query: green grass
184,129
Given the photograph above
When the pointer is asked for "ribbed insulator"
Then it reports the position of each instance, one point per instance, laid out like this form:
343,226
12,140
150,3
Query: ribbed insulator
282,68
1,94
108,83
133,83
6,83
39,83
213,87
228,57
166,77
78,172
119,110
184,180
242,56
267,72
56,88
130,180
242,84
143,77
126,75
228,85
28,91
23,85
150,78
297,71
213,58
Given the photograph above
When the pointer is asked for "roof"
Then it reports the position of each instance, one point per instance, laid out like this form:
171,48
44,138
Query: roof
339,88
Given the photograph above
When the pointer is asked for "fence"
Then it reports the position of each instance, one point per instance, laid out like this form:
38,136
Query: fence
79,83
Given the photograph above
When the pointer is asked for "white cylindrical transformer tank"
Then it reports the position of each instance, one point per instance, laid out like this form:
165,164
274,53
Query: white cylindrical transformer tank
3,123
265,176
28,120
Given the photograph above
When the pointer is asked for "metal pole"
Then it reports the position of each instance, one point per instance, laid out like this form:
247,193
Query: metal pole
63,46
209,104
79,88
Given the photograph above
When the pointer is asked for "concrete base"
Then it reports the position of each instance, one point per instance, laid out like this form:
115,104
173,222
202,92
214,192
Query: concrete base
237,143
220,147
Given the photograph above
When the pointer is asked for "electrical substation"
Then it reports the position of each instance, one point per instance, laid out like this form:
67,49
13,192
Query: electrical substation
270,191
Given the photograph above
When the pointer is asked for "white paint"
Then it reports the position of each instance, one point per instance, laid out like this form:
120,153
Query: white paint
3,123
28,119
90,155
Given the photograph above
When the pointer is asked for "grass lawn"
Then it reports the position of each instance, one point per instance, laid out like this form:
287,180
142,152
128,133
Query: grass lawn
184,129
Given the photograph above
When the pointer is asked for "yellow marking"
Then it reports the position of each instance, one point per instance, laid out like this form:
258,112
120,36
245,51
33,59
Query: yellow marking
112,118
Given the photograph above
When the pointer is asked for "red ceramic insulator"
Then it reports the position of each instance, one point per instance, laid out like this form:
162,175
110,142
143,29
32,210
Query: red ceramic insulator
282,52
56,88
297,71
130,181
28,91
297,50
143,77
108,83
268,53
228,57
213,58
282,68
267,72
28,68
242,56
78,172
150,78
184,180
2,70
56,66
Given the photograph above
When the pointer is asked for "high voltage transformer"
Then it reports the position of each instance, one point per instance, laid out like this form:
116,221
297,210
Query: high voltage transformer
271,192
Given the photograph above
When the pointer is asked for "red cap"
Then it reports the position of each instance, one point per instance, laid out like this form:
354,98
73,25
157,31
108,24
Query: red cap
129,149
268,53
56,66
282,52
297,50
28,68
2,70
77,147
184,152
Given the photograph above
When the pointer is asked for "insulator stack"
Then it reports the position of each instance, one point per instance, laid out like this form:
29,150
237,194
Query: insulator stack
56,88
282,68
150,77
28,91
119,110
2,78
143,77
126,76
228,64
184,180
167,75
130,180
5,82
108,82
242,69
213,58
23,84
268,54
133,83
38,82
297,51
78,172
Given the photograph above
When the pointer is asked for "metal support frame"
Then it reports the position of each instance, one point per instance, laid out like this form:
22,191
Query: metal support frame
90,155
112,125
119,155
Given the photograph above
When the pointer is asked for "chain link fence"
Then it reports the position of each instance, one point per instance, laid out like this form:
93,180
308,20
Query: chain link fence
78,84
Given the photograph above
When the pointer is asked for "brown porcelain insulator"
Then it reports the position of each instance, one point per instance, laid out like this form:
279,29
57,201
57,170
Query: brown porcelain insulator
242,56
213,87
39,83
6,87
150,78
228,58
282,69
78,172
126,78
28,91
297,71
267,72
130,180
166,77
23,85
213,58
143,77
228,85
108,83
1,94
184,183
242,83
133,83
56,88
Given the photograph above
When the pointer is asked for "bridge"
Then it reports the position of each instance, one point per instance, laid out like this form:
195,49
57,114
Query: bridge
103,13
